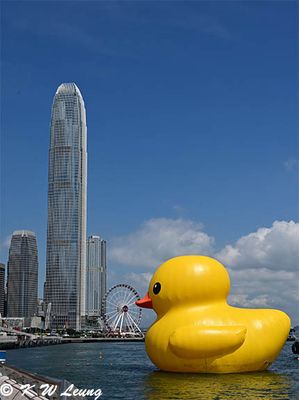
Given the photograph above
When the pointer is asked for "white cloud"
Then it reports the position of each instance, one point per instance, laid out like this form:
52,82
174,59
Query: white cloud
139,281
263,265
243,300
264,268
160,239
262,287
276,248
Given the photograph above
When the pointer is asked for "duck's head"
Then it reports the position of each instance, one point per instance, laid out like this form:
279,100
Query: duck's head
186,280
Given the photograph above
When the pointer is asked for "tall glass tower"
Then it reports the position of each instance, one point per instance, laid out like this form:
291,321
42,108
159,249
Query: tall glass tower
22,276
96,275
66,234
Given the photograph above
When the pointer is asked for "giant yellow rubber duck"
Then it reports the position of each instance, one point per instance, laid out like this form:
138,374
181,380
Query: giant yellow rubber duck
197,331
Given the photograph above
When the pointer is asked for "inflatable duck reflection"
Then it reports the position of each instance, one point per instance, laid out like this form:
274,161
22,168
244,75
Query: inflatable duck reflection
197,331
265,385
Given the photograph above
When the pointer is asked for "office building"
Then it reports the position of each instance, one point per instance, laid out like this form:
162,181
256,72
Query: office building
22,276
95,275
66,232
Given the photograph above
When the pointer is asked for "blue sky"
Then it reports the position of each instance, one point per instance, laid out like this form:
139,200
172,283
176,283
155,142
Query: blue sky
192,114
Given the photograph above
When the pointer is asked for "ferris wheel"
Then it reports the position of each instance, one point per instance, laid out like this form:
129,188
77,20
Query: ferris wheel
120,313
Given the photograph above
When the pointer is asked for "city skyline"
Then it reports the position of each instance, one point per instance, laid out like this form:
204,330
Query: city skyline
193,145
65,286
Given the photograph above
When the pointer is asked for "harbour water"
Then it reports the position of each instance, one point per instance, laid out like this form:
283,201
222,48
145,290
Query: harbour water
123,371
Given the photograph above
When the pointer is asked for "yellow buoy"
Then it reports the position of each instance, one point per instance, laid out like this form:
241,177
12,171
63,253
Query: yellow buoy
197,331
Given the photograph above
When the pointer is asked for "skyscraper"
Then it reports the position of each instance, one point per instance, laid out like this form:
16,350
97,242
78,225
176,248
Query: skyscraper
66,234
95,275
2,288
22,275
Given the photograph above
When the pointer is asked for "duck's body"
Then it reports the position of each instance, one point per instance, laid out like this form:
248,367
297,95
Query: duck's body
197,331
217,338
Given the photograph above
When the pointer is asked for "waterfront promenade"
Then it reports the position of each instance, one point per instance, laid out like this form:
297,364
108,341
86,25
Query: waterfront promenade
12,338
102,339
21,340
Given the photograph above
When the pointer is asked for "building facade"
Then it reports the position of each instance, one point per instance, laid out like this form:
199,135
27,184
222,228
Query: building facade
95,275
22,276
66,232
2,288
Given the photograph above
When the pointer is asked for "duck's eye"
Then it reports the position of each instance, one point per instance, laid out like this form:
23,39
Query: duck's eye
157,288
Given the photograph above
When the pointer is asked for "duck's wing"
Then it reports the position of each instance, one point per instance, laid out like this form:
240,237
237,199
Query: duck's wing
206,341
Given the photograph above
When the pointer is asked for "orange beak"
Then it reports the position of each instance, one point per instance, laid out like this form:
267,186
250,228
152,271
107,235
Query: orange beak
146,302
